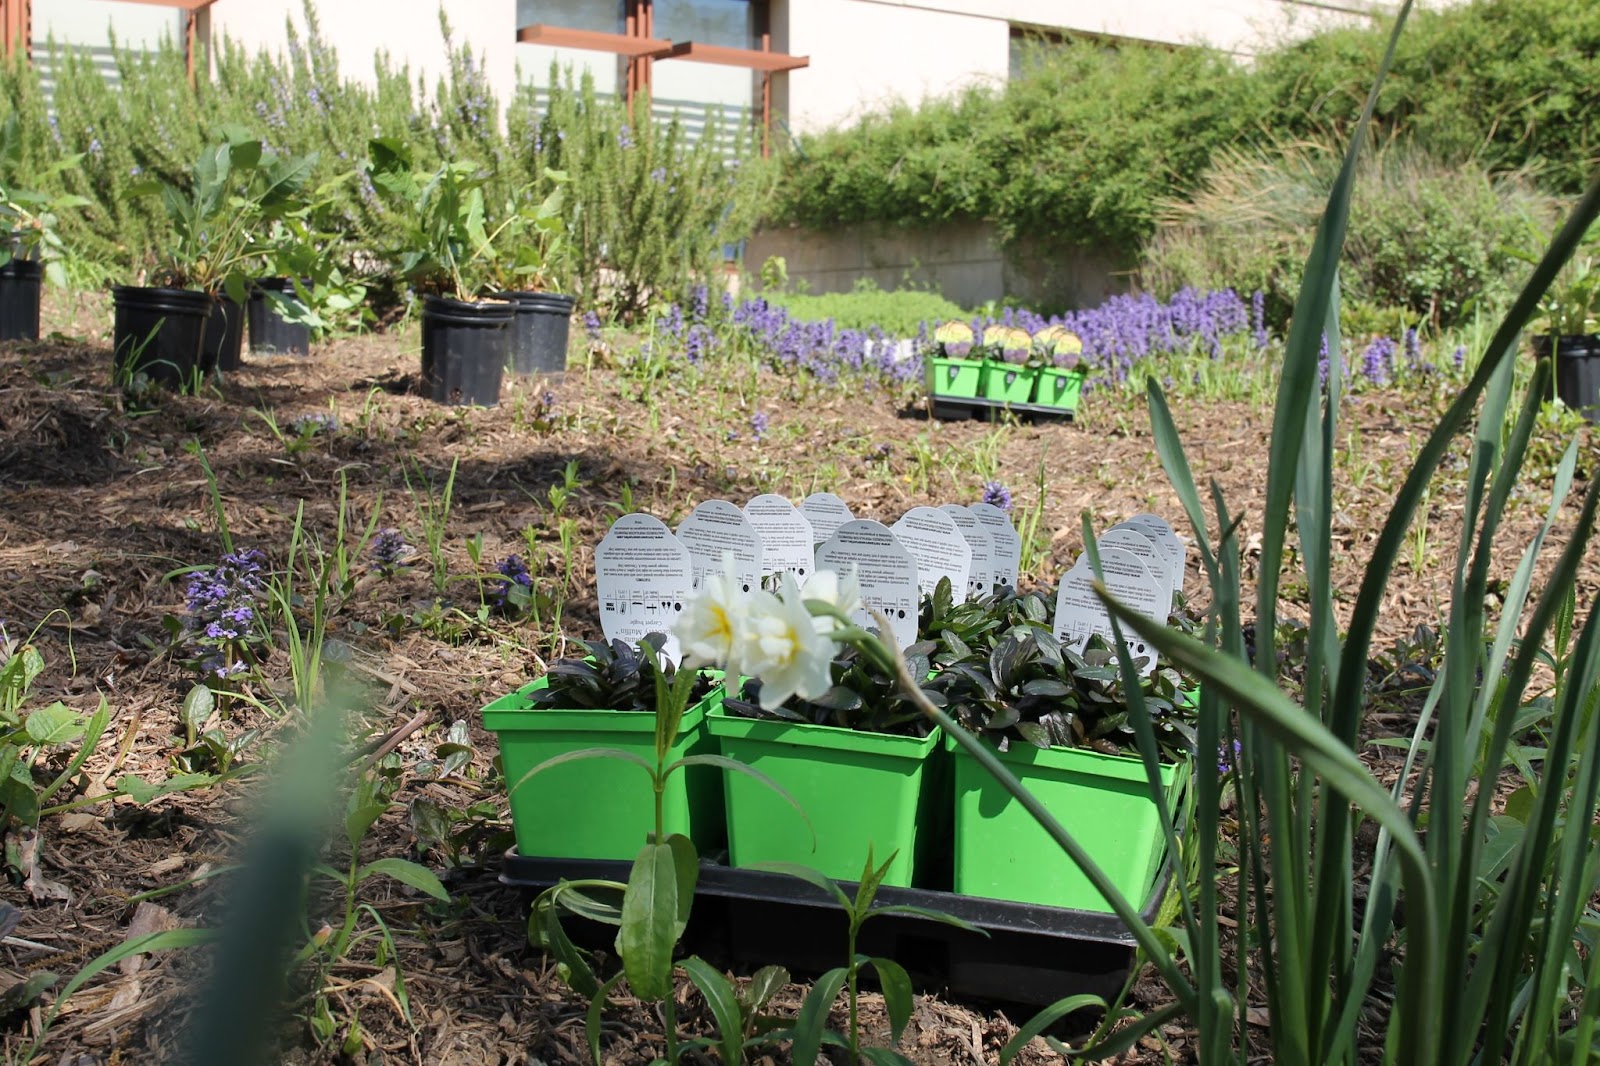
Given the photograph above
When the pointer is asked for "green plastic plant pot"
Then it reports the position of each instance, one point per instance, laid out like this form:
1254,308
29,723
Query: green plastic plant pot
1060,388
1102,800
601,808
858,789
954,377
1008,383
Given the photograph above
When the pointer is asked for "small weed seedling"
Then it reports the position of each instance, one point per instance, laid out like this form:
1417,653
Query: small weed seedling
809,1031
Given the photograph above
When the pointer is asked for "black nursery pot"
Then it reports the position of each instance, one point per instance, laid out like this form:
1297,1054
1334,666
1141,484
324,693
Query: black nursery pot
19,300
1577,370
159,332
539,332
224,335
270,334
465,347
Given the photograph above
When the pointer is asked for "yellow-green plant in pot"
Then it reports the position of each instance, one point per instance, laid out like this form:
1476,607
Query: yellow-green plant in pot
1057,354
1007,375
949,367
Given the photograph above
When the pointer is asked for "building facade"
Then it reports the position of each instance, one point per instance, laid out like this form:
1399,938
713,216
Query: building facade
803,64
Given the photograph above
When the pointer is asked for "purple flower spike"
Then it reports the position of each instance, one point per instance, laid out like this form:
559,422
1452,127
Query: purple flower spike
994,492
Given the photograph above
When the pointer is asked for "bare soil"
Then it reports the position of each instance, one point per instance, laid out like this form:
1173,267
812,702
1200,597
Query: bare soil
105,500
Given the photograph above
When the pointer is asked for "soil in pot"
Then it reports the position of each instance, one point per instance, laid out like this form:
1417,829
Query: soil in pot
270,333
159,333
539,332
1577,370
20,281
465,347
224,336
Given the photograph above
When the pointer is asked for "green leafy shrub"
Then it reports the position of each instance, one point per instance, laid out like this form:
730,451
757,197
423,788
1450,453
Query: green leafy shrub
649,207
1433,239
1513,84
1082,149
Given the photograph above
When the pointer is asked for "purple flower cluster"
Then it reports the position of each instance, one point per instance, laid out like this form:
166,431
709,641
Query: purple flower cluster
1126,329
513,574
1258,318
1228,759
823,349
591,324
758,425
220,624
388,549
1378,360
996,493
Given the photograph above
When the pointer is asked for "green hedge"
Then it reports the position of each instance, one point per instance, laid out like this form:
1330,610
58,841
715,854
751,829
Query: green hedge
1081,149
1087,145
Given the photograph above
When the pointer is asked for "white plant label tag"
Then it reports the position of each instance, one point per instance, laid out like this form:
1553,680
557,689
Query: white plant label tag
644,579
715,528
1132,539
1080,614
885,571
980,579
1007,544
785,534
826,513
1161,532
936,543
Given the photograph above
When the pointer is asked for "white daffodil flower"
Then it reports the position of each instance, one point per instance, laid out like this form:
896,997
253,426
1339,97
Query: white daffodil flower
840,590
710,628
784,649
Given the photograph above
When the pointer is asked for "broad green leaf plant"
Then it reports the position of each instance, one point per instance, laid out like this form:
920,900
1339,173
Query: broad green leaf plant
222,212
28,219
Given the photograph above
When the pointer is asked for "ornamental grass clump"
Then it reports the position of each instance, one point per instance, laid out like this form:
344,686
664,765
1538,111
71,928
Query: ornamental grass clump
1435,919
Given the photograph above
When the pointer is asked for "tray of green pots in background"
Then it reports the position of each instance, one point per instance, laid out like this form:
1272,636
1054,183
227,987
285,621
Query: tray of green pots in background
1007,371
602,808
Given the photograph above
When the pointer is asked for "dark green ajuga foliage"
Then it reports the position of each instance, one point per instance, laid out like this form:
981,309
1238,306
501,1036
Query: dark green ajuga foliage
862,697
1002,673
616,676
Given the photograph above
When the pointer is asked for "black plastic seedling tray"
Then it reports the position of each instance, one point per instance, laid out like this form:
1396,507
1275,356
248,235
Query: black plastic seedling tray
955,408
1032,955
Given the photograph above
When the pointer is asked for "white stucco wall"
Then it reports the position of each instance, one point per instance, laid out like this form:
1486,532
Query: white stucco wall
867,53
89,22
407,30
